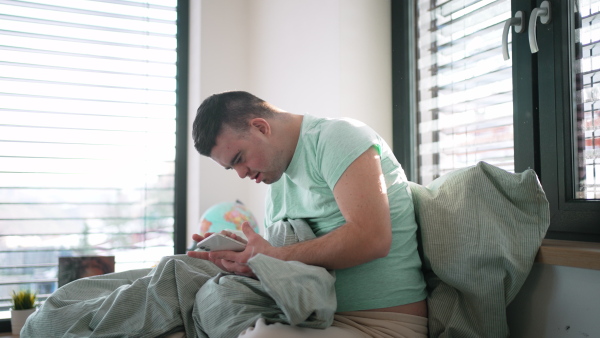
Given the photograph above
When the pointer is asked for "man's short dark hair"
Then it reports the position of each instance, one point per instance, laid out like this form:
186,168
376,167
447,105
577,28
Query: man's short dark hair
233,109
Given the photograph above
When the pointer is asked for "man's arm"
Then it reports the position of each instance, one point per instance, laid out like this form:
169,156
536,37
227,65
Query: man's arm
361,195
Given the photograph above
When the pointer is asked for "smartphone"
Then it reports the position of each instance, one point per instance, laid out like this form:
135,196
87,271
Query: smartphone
217,242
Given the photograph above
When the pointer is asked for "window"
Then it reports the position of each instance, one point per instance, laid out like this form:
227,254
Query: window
91,160
587,109
459,102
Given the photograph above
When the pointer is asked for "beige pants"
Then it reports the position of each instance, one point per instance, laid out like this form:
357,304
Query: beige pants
359,324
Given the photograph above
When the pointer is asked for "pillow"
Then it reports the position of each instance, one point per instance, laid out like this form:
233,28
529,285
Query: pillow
480,228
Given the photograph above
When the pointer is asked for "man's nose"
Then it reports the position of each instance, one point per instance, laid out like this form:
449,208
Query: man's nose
241,171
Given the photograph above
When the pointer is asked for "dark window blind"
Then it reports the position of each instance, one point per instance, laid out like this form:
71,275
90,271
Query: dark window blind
464,109
587,95
87,136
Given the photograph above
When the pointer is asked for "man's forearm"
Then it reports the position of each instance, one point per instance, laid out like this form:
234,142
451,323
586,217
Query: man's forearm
345,247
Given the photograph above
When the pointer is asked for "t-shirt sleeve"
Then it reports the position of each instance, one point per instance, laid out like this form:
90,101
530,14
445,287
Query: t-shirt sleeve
340,143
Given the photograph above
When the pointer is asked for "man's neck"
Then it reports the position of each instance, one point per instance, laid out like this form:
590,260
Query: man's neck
288,126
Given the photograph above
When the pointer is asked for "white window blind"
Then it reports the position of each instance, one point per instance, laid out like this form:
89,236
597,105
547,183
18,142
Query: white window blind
587,94
87,136
465,111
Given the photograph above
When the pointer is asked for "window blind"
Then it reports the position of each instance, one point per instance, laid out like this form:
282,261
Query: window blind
587,96
87,136
464,86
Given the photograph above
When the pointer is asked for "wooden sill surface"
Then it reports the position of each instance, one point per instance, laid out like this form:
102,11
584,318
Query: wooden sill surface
584,255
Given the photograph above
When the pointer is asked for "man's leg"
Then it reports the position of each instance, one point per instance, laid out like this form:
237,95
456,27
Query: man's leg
358,324
278,330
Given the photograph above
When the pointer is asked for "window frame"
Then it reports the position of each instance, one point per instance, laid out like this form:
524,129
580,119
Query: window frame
542,143
181,127
571,219
404,94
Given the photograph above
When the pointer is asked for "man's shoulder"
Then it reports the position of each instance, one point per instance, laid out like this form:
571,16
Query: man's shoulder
313,121
328,126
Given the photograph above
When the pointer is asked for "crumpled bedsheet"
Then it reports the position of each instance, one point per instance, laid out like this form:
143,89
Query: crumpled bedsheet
192,295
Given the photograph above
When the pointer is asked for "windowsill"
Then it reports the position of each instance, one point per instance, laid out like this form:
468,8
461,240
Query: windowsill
585,255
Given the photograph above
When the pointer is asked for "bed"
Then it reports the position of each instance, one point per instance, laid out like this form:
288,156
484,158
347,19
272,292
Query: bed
479,231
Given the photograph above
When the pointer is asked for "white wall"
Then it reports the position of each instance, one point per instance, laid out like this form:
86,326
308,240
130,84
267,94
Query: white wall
557,302
323,57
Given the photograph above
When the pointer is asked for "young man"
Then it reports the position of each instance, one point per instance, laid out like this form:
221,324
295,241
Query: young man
343,179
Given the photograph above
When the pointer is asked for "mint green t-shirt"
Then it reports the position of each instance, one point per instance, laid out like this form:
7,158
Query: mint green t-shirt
325,149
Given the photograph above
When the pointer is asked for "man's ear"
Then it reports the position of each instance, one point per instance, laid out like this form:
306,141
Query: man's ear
261,125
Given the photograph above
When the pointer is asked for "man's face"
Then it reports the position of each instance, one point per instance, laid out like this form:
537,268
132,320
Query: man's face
251,154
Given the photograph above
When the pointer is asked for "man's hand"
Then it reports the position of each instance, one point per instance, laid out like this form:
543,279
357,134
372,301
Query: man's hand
231,261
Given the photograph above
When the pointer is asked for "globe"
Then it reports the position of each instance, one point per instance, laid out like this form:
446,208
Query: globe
226,216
